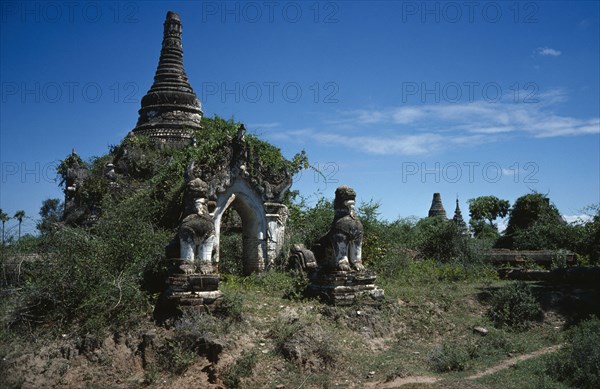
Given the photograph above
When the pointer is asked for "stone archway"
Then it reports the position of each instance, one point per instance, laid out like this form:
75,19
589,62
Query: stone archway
255,226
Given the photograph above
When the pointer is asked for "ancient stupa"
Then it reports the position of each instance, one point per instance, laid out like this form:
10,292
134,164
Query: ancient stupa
437,208
458,219
170,111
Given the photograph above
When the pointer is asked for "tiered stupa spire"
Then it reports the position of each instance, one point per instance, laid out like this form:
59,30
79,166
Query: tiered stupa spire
170,111
437,208
458,219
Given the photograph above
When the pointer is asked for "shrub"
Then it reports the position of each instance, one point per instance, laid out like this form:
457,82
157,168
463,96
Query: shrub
440,239
515,306
449,357
233,304
230,254
175,356
290,284
307,344
578,362
91,278
240,369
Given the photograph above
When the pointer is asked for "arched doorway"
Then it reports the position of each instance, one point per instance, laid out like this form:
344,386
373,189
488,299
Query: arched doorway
249,205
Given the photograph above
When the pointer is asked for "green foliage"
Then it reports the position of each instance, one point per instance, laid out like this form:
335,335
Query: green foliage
308,224
585,237
233,304
305,343
531,218
440,239
407,271
195,327
91,278
578,362
50,213
483,230
450,356
270,156
69,162
283,284
515,306
243,366
379,236
486,208
230,253
545,237
175,356
531,209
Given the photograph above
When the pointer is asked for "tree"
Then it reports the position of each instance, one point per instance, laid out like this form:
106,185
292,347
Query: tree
20,215
534,224
486,208
4,218
50,214
440,239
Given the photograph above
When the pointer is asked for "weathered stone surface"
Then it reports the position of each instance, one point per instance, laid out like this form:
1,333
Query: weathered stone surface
193,282
437,208
344,287
170,112
334,265
518,257
302,258
341,247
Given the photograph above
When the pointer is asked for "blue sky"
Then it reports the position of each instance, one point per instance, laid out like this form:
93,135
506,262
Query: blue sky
398,99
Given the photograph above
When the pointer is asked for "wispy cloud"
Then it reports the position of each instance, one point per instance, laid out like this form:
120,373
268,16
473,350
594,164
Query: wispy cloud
427,128
263,126
547,52
577,219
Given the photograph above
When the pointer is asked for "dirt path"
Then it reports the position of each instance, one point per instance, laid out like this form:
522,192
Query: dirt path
509,362
401,381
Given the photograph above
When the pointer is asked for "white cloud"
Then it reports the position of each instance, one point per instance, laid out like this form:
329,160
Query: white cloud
427,128
577,219
547,52
262,126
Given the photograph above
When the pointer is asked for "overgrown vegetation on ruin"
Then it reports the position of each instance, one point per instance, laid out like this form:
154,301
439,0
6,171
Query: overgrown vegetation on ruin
86,283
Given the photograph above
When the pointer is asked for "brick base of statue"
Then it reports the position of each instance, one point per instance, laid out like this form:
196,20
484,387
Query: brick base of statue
187,288
345,287
193,289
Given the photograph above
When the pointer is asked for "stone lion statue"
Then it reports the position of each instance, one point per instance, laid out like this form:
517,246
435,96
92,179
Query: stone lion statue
341,247
197,230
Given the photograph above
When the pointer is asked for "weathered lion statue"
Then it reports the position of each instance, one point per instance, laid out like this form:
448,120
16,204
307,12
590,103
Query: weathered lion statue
341,247
197,230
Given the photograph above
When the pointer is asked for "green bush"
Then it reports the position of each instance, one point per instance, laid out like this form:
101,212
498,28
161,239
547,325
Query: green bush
578,362
291,284
232,305
515,306
306,343
440,239
175,356
230,254
307,224
232,376
92,278
449,357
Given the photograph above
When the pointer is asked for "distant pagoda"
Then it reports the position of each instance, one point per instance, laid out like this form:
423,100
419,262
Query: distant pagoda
170,112
458,219
437,208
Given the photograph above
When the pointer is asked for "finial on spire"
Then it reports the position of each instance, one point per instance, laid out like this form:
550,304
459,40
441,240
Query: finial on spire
170,112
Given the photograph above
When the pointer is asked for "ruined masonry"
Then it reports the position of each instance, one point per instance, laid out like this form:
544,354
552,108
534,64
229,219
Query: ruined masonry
437,208
170,115
334,264
170,111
